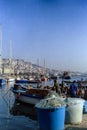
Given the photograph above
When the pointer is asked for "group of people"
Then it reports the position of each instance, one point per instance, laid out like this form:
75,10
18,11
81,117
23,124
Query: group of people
73,90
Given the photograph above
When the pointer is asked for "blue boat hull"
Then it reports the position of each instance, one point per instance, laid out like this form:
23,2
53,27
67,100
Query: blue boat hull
27,81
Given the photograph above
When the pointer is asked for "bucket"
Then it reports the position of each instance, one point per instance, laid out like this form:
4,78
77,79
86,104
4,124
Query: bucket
74,111
51,118
85,107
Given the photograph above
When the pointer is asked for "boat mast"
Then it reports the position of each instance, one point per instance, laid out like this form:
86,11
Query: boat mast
10,54
38,68
44,67
10,57
38,62
0,50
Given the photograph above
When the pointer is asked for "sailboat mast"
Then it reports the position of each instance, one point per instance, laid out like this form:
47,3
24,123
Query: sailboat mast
0,49
10,57
38,62
10,54
37,68
44,67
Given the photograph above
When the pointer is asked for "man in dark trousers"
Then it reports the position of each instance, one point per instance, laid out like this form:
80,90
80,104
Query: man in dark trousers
73,89
57,87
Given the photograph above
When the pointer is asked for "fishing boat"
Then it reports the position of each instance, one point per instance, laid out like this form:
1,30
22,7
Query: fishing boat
21,86
82,82
22,81
10,79
25,81
30,96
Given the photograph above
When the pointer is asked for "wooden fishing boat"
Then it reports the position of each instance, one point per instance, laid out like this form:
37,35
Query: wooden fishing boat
31,96
21,86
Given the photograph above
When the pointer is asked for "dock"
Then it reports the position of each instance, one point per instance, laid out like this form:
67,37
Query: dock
81,126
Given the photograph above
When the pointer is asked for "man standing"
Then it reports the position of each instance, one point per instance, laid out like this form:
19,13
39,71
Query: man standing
73,89
57,87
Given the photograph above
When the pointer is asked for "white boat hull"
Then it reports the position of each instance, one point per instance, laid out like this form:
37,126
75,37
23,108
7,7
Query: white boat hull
11,80
26,99
31,96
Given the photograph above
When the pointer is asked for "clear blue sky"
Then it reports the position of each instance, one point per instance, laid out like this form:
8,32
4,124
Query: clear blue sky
54,30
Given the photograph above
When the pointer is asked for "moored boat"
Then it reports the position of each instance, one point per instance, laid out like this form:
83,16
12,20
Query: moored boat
31,96
21,81
25,81
10,79
21,86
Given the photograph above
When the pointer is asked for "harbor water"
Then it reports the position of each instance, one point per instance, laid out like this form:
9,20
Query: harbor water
15,115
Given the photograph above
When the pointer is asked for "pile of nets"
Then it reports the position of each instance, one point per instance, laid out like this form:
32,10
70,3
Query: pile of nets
51,102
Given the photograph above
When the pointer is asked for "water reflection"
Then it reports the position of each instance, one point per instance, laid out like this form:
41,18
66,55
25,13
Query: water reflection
2,87
15,115
23,109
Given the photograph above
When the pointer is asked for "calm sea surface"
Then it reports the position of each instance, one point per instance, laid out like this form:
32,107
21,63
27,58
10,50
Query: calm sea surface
15,115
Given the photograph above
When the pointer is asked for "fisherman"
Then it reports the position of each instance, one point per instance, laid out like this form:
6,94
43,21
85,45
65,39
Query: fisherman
57,87
38,84
73,89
